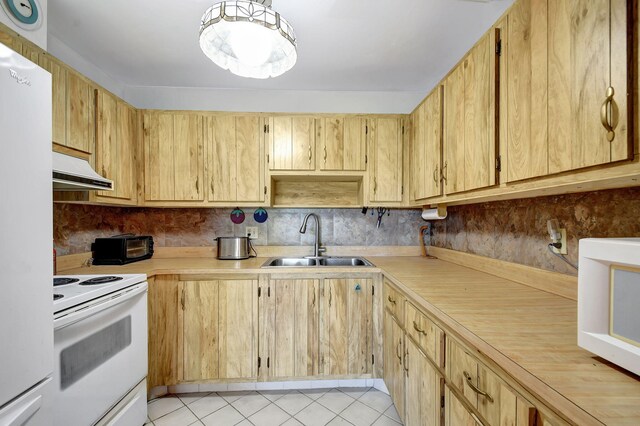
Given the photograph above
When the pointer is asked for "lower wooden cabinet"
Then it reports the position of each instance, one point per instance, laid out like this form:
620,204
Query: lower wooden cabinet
456,414
393,362
423,388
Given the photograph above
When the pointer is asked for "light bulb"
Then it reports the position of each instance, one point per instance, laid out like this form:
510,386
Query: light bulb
251,43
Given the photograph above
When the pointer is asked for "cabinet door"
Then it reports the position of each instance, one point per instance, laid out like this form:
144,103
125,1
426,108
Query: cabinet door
80,114
587,54
221,158
423,384
165,318
200,330
461,365
127,143
479,130
385,145
426,147
290,328
250,159
502,406
456,414
453,132
526,85
174,161
394,374
346,323
107,162
343,143
238,322
59,99
292,143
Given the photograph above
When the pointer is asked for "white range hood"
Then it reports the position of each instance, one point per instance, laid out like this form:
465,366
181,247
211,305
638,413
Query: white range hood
75,174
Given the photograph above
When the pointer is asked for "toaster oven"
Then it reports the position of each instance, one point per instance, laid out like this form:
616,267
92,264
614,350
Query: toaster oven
122,249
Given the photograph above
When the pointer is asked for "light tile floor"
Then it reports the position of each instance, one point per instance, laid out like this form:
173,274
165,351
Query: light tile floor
313,407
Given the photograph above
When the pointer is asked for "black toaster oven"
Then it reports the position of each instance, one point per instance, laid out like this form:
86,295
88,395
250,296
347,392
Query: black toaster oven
122,249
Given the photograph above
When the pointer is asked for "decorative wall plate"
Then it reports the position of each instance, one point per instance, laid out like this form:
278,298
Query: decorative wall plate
26,14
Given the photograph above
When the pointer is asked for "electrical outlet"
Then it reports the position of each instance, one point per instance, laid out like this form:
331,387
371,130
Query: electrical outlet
252,231
563,249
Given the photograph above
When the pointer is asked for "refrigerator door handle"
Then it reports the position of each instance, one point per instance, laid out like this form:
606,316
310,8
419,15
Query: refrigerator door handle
23,413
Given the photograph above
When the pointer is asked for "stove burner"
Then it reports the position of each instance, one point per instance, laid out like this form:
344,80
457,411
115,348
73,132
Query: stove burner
100,280
57,296
64,281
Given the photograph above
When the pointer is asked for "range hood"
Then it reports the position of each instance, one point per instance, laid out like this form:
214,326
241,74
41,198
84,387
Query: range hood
75,174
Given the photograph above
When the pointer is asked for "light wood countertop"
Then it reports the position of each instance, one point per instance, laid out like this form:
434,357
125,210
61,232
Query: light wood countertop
529,333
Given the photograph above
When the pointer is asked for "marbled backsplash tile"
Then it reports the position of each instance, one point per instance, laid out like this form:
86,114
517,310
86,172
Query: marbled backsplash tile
76,226
516,230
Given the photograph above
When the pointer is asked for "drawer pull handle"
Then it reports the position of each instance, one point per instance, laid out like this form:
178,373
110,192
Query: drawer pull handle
475,388
392,301
418,329
398,349
404,363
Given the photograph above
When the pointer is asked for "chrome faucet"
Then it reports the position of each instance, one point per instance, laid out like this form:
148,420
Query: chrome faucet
316,247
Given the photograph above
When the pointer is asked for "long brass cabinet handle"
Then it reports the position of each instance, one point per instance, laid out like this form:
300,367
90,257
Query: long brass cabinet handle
325,154
418,329
392,301
404,363
309,154
606,114
399,349
435,175
475,388
375,185
444,171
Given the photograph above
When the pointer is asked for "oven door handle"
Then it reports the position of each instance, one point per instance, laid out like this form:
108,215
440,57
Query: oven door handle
116,299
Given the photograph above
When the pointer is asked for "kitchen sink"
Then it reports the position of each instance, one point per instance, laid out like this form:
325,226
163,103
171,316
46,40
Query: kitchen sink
287,262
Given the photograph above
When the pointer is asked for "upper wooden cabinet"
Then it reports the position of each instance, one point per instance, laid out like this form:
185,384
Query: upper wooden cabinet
235,163
561,59
385,141
342,143
469,141
291,143
80,113
116,143
426,147
173,155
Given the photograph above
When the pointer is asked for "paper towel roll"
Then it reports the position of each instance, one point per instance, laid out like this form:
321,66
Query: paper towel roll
434,214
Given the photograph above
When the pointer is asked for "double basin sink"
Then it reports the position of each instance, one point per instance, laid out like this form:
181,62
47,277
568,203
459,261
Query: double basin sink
288,262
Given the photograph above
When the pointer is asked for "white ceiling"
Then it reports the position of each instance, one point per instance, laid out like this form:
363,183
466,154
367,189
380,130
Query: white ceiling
343,45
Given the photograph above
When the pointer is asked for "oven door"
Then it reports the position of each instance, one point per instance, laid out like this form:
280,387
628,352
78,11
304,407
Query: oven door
100,355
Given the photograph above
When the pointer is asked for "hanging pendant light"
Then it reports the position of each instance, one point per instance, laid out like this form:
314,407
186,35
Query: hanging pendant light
248,38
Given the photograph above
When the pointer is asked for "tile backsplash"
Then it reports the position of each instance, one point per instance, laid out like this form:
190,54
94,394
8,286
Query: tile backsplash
76,226
516,230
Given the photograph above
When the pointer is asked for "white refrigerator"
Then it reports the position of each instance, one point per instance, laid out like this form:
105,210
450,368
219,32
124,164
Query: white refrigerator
26,261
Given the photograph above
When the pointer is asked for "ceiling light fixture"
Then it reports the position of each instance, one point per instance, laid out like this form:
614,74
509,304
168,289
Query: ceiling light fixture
248,38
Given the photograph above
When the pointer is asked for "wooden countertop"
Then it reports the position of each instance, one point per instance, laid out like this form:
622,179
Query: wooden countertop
529,333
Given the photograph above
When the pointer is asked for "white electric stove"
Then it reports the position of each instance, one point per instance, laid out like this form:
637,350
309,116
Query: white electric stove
100,346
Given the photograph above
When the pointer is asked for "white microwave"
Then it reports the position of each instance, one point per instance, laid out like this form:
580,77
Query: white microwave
609,300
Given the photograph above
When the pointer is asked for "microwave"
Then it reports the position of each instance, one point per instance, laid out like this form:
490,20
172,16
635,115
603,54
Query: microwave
609,300
122,249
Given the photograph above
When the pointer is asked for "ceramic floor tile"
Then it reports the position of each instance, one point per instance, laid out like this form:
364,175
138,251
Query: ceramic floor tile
360,414
314,393
273,395
163,406
335,400
207,405
355,392
232,396
294,402
315,415
245,422
292,422
392,414
180,417
226,416
377,400
188,398
339,421
250,404
386,421
271,415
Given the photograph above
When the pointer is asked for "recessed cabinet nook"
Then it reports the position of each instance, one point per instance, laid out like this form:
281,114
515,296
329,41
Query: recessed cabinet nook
544,103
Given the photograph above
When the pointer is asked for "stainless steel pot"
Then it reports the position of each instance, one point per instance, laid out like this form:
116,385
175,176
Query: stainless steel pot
234,248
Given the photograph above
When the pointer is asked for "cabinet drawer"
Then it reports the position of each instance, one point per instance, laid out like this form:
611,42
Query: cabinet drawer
394,302
425,333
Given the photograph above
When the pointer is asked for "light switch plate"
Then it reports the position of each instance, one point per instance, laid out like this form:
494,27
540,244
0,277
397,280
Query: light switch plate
563,249
252,231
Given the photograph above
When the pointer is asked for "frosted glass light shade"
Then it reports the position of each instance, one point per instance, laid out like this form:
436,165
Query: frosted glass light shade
248,39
